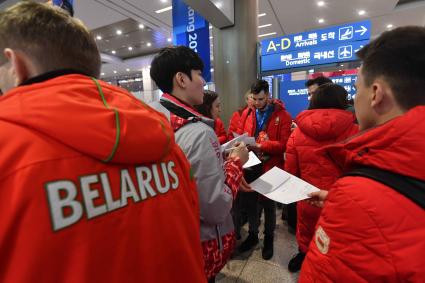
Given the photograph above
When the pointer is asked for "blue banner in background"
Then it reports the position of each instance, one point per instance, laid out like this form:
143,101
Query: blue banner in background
322,37
192,30
343,52
295,96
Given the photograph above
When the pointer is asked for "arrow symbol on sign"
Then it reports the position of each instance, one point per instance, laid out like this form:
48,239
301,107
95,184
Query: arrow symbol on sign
362,31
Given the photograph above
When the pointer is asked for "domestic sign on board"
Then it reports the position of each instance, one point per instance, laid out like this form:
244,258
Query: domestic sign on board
329,36
192,30
342,52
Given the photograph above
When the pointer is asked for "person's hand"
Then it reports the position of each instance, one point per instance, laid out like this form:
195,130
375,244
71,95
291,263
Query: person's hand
317,198
245,187
255,148
240,151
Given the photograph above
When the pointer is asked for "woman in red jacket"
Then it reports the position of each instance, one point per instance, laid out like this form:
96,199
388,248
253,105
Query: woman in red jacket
211,108
236,116
326,122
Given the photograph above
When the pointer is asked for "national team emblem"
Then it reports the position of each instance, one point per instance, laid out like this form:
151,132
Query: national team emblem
322,240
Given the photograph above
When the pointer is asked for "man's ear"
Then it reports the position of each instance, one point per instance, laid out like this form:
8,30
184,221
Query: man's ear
21,65
180,80
381,99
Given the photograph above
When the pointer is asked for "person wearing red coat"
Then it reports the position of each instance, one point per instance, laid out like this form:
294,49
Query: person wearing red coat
369,231
220,131
270,124
87,193
326,122
211,108
236,116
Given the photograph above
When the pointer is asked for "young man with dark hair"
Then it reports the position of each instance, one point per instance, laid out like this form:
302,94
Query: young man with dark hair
87,194
313,84
372,229
178,73
270,124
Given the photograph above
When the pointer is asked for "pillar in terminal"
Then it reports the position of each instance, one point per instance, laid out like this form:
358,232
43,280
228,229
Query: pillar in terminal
235,57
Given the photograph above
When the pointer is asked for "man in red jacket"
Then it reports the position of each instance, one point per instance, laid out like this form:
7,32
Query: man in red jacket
93,187
369,232
270,124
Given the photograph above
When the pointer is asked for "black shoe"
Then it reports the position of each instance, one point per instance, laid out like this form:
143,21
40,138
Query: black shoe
250,242
267,251
296,262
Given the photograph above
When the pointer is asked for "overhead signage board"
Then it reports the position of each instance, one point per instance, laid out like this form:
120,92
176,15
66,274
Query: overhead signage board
322,37
192,30
342,52
295,94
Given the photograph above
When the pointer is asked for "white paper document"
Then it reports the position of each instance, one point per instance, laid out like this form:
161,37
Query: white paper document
280,186
241,138
253,160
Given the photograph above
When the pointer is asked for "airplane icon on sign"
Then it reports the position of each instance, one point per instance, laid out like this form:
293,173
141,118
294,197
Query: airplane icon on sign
346,33
345,52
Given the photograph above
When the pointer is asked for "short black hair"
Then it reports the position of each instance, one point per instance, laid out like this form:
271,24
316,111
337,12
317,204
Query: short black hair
171,60
319,81
398,56
206,107
329,96
260,85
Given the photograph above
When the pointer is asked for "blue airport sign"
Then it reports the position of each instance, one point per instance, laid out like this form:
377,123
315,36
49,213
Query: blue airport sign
295,94
341,34
342,52
192,30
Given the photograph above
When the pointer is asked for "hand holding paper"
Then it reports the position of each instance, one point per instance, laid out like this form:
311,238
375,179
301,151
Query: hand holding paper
283,187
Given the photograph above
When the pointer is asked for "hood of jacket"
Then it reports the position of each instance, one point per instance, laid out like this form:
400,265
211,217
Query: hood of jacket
92,117
325,124
397,146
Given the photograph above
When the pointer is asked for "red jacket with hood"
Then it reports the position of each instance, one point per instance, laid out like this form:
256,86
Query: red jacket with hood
278,129
316,128
368,232
93,188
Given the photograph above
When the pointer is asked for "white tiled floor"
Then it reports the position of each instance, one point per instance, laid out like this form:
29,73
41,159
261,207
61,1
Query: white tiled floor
250,267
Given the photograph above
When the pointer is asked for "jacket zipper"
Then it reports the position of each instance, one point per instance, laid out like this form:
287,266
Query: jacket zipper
219,241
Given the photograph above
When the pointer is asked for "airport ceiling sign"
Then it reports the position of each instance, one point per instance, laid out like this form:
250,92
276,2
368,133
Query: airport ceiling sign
315,38
316,47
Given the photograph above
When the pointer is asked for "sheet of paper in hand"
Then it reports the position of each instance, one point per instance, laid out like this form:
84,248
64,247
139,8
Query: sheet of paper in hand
280,186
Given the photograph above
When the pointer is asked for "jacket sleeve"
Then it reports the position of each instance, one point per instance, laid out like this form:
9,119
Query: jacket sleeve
220,131
279,146
348,245
215,197
233,125
291,156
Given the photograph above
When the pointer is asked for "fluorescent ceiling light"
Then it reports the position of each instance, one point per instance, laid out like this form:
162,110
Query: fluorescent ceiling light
115,72
148,44
98,37
128,70
266,34
261,15
130,48
321,3
321,21
389,26
164,10
102,74
219,5
141,26
362,12
169,39
264,26
113,52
